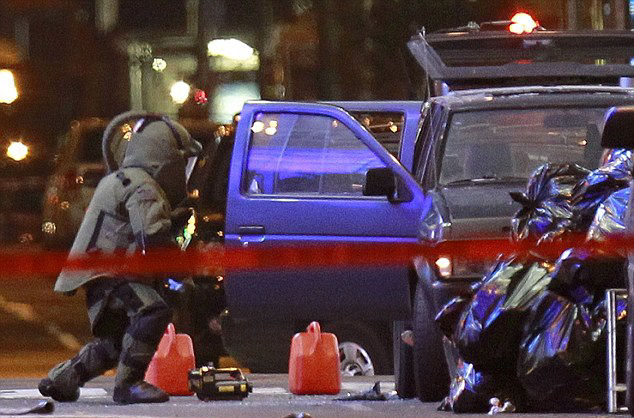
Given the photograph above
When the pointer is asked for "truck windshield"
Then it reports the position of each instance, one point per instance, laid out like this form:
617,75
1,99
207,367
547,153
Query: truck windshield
510,143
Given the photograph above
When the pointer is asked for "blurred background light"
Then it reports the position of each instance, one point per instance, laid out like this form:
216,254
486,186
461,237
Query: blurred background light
522,23
8,91
271,130
159,64
232,55
257,126
229,98
180,91
17,151
200,97
230,48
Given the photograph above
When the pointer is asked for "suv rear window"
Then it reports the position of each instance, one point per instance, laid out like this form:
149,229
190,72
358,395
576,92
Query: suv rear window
511,143
386,127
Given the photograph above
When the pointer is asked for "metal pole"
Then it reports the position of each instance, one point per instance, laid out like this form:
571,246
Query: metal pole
611,350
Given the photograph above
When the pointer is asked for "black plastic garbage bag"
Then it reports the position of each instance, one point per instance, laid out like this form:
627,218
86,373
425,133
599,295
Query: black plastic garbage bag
609,218
594,270
449,316
588,194
467,391
582,275
561,361
546,207
490,327
471,390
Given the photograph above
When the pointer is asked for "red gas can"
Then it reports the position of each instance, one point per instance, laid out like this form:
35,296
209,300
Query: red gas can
313,367
173,360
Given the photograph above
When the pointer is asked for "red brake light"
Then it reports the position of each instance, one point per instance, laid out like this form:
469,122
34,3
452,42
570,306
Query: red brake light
522,23
200,97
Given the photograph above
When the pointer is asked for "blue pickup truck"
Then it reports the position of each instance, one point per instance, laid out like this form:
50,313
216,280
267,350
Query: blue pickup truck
367,343
316,173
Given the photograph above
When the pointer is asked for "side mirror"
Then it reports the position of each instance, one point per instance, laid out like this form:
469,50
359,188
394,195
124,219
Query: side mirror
618,131
380,182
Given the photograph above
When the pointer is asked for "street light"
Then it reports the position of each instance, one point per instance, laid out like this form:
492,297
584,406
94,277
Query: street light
8,91
17,150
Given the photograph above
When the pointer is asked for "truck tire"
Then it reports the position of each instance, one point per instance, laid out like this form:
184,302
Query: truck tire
430,365
403,362
362,351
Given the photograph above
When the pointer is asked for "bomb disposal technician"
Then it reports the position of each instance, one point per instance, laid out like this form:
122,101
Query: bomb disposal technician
130,212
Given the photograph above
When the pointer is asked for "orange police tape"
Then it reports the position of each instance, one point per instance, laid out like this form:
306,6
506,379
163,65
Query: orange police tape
270,257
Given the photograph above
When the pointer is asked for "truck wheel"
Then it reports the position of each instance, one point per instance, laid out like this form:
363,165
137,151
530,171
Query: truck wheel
430,366
361,351
403,362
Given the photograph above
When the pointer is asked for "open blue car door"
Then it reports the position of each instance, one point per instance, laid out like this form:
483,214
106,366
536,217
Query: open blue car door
297,177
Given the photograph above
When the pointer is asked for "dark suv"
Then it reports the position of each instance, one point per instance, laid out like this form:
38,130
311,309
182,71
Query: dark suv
474,147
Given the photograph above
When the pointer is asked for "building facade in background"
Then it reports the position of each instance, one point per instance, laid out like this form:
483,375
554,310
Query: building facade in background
330,49
96,58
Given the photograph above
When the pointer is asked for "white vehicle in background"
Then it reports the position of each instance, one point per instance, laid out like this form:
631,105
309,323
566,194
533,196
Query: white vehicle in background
78,168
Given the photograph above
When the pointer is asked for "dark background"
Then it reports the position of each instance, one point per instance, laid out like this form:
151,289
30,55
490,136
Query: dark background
70,65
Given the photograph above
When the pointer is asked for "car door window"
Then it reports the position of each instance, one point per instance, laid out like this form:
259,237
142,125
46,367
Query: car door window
303,154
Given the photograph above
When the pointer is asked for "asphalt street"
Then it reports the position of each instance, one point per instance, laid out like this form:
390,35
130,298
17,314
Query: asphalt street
270,398
39,329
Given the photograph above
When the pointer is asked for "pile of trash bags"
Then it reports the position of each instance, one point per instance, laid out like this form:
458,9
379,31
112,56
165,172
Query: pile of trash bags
532,335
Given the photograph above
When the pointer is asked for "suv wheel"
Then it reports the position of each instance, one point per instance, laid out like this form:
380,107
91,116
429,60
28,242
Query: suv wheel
361,351
430,366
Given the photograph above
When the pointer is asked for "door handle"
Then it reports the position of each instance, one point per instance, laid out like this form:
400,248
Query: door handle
251,230
250,233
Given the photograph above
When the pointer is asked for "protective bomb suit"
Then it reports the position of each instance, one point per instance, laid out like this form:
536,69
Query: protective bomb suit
129,212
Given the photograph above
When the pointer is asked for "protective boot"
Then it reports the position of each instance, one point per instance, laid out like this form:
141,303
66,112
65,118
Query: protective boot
139,344
62,383
65,379
141,392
